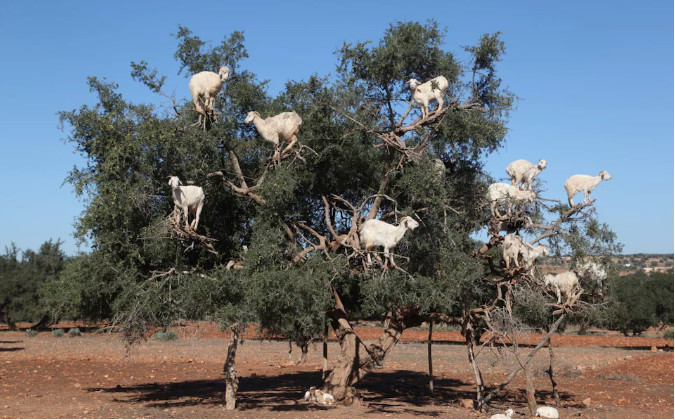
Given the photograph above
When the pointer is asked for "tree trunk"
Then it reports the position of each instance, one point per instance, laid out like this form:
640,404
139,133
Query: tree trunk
356,359
551,374
480,386
230,371
324,371
43,323
304,349
431,364
529,389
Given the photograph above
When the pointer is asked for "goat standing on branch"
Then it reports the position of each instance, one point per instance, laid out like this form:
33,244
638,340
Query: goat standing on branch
501,193
423,93
285,125
586,183
523,172
189,199
205,86
378,233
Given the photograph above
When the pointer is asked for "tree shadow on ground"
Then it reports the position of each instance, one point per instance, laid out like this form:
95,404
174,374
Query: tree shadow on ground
383,392
11,349
399,392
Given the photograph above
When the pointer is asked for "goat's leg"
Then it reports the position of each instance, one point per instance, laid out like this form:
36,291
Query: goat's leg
390,254
440,103
290,145
369,248
557,293
197,213
386,260
186,212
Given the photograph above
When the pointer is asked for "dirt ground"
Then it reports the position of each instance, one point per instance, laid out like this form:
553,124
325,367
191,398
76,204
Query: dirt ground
93,377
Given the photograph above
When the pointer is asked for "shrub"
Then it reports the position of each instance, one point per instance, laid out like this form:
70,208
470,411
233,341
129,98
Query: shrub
668,334
58,333
74,332
31,333
165,336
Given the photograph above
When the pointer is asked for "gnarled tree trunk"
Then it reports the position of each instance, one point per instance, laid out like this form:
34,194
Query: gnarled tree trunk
230,371
356,359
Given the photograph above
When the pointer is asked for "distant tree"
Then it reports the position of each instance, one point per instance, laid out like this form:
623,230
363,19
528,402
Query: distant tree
22,274
640,301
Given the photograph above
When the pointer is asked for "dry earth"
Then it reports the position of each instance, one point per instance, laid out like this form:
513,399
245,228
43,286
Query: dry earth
93,377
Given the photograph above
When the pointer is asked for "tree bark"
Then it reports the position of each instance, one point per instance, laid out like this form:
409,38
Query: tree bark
356,359
230,371
431,364
529,389
478,377
551,373
43,323
324,371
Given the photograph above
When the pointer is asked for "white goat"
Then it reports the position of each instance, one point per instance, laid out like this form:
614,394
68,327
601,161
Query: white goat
523,172
509,415
205,85
547,413
563,283
514,247
577,183
501,193
378,233
285,125
315,395
190,199
423,93
591,272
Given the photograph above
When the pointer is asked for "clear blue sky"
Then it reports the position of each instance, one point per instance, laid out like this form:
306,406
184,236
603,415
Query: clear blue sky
595,78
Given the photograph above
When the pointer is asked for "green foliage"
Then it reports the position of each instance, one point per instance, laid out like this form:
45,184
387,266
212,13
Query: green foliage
165,336
31,333
22,274
668,334
58,332
74,332
639,301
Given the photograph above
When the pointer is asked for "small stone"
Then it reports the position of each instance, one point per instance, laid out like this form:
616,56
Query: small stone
654,349
587,402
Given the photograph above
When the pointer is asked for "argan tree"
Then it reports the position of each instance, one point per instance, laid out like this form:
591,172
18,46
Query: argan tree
291,225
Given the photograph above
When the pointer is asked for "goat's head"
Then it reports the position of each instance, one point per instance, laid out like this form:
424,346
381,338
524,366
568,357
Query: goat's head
541,164
605,176
548,279
250,117
409,223
174,181
413,83
543,250
510,413
224,72
528,196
